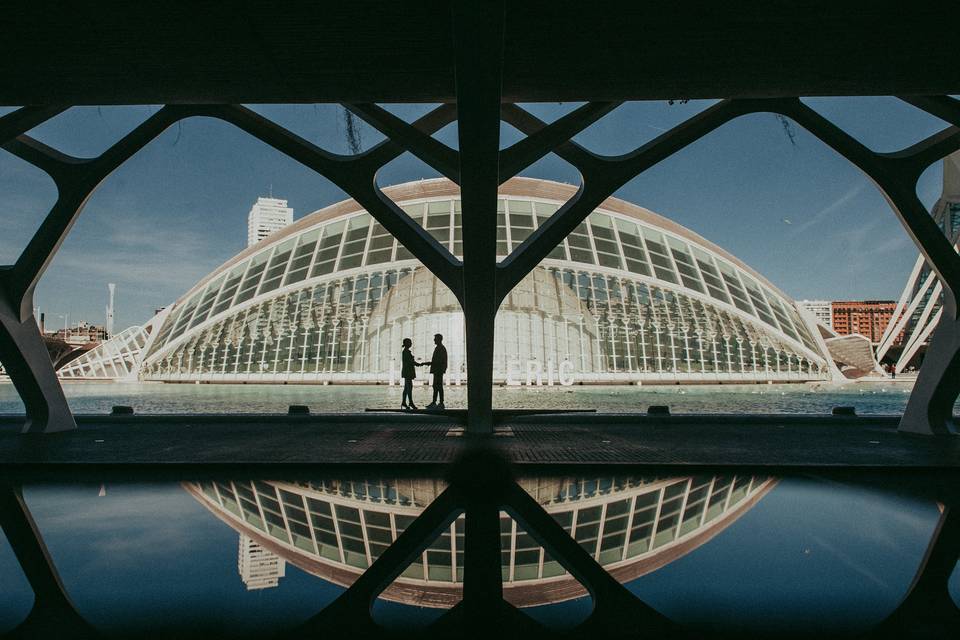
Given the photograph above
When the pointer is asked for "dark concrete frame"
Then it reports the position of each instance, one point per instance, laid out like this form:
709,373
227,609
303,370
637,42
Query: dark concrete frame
480,486
480,482
479,282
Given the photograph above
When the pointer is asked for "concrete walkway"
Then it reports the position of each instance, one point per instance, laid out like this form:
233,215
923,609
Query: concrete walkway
209,444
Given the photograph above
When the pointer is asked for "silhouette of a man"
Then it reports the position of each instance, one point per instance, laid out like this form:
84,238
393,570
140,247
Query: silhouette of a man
438,367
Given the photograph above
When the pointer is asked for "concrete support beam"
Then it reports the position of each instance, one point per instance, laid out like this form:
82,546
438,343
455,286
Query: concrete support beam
478,54
27,362
930,407
21,345
53,614
927,610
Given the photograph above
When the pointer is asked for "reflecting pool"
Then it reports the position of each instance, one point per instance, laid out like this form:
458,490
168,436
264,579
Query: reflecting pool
868,398
722,552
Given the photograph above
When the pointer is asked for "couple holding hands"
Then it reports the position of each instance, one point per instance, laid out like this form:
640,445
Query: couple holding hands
438,366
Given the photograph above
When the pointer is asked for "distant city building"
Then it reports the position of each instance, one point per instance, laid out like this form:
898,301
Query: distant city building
819,309
865,317
259,568
81,334
267,216
918,311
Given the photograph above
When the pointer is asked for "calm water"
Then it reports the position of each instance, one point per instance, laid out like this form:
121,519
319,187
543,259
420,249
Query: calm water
808,555
868,398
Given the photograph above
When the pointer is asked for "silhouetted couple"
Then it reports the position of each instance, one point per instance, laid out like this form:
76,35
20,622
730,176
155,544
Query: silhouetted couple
438,367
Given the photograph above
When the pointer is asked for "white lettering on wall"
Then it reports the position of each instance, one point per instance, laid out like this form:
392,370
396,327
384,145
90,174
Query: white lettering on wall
513,367
534,370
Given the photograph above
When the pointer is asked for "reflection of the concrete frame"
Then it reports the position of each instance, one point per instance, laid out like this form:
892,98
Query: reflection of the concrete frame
334,529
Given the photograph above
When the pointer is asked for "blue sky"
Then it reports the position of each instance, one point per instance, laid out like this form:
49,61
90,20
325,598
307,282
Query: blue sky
797,213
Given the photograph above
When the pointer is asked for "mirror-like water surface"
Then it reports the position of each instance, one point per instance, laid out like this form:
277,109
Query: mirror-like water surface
721,552
868,398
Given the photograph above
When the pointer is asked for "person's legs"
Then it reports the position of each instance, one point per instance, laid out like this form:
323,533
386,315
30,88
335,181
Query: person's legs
408,389
438,388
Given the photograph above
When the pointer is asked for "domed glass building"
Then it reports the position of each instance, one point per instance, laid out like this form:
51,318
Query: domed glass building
628,297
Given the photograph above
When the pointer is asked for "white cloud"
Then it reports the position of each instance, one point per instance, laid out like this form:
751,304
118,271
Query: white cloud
831,208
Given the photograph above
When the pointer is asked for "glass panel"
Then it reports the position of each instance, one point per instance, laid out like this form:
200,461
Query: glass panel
440,558
506,543
614,531
710,275
381,246
302,257
633,250
696,504
251,280
438,221
277,267
669,514
328,249
605,241
457,230
759,303
185,315
522,221
644,517
733,285
588,528
355,242
579,243
657,250
544,211
414,569
718,497
502,249
209,295
526,557
229,289
379,535
415,211
688,270
351,536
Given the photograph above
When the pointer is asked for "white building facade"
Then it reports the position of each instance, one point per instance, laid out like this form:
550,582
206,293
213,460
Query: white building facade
259,568
267,216
822,310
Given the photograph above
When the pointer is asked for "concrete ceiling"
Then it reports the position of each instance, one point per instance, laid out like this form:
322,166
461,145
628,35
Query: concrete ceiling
255,51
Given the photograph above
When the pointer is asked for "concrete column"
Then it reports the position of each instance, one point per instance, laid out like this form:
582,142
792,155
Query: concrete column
478,55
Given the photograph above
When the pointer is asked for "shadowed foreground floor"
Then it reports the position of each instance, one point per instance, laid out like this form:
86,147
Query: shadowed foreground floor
232,442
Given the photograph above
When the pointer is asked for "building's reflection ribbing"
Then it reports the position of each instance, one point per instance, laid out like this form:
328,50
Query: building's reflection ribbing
336,528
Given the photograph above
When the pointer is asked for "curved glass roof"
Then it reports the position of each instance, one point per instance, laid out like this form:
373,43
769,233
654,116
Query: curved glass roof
118,357
618,236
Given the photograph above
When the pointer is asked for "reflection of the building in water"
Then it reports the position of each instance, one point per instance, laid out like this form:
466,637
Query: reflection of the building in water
336,528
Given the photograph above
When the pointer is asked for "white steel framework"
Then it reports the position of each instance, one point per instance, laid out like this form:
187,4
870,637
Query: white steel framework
628,296
919,308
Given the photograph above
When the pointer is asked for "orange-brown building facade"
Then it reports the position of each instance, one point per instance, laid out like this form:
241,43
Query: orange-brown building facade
866,317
